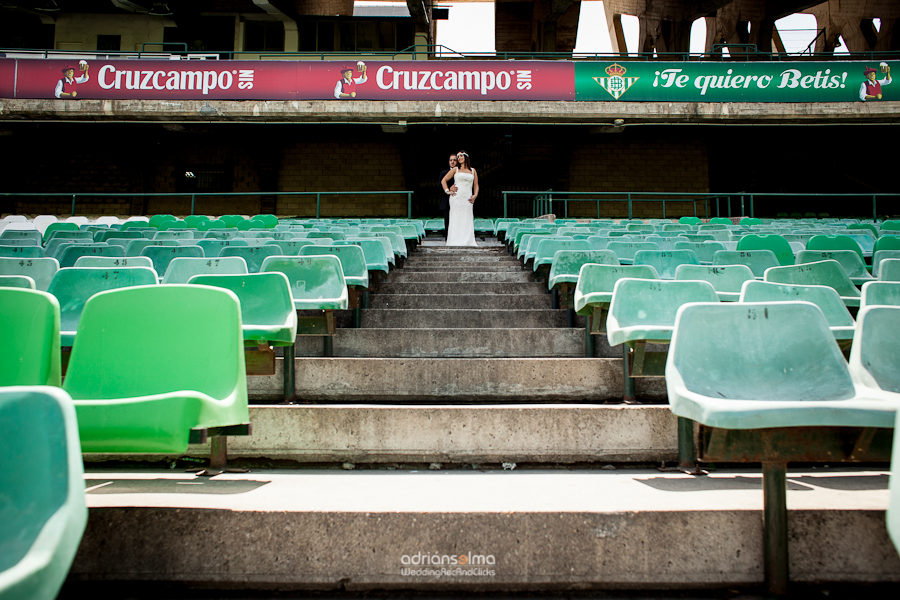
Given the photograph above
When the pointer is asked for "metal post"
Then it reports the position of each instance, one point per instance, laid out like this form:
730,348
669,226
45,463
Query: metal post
218,453
664,208
629,206
743,212
193,201
628,394
588,339
566,208
318,204
718,212
775,531
706,207
751,206
729,207
288,373
686,445
504,205
874,211
73,205
598,209
409,205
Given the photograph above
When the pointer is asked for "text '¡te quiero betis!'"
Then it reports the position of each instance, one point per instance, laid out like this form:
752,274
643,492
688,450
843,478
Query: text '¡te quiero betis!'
789,78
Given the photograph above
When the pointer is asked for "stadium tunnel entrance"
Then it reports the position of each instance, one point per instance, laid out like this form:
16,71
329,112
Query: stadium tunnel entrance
181,159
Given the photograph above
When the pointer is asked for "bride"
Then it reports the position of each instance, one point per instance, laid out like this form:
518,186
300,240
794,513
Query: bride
462,221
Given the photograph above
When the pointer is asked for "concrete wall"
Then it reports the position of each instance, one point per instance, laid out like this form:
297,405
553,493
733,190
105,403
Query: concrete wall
79,31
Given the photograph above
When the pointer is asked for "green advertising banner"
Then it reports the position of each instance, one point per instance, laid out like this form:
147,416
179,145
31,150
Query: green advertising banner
734,81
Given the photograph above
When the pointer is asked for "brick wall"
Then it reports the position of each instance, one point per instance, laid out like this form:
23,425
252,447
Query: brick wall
637,164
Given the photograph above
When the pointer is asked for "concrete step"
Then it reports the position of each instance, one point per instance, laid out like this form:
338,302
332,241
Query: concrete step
449,343
469,289
462,258
442,381
461,318
460,301
405,276
452,267
529,530
460,251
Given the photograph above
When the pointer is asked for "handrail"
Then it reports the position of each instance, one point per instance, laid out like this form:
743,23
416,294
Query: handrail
438,52
194,195
544,198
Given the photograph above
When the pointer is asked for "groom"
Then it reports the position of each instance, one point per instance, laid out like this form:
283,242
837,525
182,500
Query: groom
445,198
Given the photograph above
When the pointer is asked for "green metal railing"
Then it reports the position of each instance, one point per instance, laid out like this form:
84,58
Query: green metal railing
542,201
195,195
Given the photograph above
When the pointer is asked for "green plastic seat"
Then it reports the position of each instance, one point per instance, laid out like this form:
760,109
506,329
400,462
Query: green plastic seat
386,245
231,220
173,235
547,249
194,221
182,269
640,227
825,272
665,261
873,359
887,242
131,234
353,262
567,265
111,262
880,256
137,387
849,260
880,293
528,243
52,247
893,510
17,281
267,309
777,244
21,252
251,224
644,309
598,242
163,255
889,270
625,251
291,247
703,250
41,270
317,282
373,252
676,227
397,243
48,233
27,237
73,286
757,260
254,256
269,221
135,248
410,232
698,237
71,253
157,220
172,224
834,242
836,314
596,283
210,225
770,364
213,247
29,355
434,225
689,221
221,234
726,280
721,221
43,514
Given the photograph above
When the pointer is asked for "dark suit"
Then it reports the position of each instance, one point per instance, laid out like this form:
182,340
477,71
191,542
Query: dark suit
445,201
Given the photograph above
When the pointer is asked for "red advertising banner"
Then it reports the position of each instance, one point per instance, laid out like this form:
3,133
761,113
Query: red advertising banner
286,80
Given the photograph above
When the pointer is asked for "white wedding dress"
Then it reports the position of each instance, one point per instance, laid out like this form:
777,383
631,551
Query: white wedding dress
462,221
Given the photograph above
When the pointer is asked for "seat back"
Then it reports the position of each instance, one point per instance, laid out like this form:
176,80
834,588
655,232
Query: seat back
767,351
648,307
254,256
316,281
130,343
825,272
703,250
41,270
163,255
373,251
42,494
71,253
353,262
546,249
596,282
567,263
73,235
625,251
291,247
213,247
29,354
17,281
880,256
173,235
58,227
665,261
826,298
834,242
106,235
73,286
757,260
265,297
32,236
727,279
849,260
21,251
873,358
777,244
182,268
880,293
112,262
889,269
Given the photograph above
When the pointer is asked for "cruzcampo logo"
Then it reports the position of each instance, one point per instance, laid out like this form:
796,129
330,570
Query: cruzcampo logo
616,84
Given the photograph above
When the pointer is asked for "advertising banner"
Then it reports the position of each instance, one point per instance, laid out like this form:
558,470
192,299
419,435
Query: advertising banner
733,82
287,80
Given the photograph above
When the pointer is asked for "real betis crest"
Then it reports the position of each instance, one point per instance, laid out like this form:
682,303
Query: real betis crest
616,84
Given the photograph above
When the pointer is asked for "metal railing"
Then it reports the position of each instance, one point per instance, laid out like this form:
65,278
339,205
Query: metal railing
441,52
542,201
195,195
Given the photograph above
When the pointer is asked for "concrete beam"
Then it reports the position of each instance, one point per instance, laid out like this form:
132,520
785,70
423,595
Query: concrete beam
466,113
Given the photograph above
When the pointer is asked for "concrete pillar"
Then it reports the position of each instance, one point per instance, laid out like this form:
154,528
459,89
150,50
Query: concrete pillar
536,26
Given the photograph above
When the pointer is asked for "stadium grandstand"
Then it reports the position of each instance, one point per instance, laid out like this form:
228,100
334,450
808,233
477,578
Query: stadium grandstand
241,360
